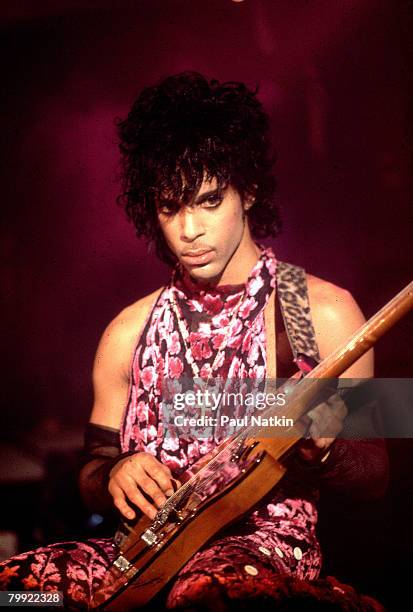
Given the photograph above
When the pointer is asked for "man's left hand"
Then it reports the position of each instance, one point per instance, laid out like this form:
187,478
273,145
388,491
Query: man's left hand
327,422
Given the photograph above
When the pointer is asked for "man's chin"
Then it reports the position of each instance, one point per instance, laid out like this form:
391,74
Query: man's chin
207,274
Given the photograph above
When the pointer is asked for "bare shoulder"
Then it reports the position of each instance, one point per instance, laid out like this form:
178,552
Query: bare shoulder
333,301
336,316
133,316
119,337
111,370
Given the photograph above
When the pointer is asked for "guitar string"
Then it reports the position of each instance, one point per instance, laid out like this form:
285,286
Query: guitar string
196,481
245,433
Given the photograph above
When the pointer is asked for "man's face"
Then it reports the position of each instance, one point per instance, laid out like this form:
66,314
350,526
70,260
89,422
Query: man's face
204,233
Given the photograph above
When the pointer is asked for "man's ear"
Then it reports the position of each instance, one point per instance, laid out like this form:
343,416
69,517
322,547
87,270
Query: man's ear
248,201
249,198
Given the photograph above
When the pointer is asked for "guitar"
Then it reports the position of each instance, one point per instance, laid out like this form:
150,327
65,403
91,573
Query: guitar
229,481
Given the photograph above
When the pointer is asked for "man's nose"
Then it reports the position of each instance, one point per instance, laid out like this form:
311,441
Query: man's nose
191,225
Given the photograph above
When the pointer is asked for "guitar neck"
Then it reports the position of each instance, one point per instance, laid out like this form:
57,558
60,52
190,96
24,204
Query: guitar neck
366,336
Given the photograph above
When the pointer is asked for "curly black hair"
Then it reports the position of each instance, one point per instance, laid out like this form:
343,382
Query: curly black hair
186,128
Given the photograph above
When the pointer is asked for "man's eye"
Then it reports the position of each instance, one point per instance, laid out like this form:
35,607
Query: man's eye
167,209
212,201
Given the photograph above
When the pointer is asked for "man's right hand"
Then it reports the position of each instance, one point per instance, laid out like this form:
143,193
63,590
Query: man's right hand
136,474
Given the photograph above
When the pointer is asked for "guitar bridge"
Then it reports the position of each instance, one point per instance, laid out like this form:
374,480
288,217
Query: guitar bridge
149,537
122,564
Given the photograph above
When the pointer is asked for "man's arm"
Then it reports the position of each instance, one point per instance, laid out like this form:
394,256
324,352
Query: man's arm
111,370
116,479
111,384
356,467
336,316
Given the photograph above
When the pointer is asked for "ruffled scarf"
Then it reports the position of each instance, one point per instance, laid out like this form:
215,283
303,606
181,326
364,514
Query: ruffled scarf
227,321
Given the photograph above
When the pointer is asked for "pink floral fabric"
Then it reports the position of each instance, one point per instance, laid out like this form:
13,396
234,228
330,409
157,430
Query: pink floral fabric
222,345
76,568
284,524
278,537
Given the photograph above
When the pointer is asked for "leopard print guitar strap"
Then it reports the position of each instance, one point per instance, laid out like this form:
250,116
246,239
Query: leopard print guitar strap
294,304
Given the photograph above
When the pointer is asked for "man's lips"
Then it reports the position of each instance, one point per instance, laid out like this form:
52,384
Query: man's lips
197,257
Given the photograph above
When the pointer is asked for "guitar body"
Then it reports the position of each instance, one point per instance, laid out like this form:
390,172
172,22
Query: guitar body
154,565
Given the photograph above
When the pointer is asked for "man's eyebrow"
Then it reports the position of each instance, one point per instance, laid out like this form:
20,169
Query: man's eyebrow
164,200
207,194
167,201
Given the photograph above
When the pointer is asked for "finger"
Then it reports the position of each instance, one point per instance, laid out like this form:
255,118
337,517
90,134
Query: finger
152,490
314,449
139,500
323,443
161,474
339,407
314,431
333,404
336,405
309,451
129,483
325,423
120,502
148,460
319,412
326,430
318,418
136,476
331,426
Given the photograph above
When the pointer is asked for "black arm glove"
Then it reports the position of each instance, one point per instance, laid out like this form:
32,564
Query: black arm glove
100,454
357,469
357,465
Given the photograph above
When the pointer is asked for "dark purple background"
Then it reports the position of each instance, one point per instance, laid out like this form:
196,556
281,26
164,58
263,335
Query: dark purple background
334,77
336,80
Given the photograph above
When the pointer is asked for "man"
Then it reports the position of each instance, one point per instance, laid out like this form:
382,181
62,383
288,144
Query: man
198,183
